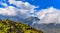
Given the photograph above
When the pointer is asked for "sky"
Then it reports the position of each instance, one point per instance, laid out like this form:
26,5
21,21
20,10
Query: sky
48,11
41,3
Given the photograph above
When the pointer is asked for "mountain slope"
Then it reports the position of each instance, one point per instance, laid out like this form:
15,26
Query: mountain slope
46,27
31,20
7,26
51,27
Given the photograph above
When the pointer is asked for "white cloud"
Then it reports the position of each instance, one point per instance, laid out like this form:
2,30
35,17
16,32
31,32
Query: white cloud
9,11
4,4
23,9
49,15
23,5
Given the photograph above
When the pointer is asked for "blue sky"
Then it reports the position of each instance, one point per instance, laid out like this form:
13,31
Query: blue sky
46,10
45,3
41,3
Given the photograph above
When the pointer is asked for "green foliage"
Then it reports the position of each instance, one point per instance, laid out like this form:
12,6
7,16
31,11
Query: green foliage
7,26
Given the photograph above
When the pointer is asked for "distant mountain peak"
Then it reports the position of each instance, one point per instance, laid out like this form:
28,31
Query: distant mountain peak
31,20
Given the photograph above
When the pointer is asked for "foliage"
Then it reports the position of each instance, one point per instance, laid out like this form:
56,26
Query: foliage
7,26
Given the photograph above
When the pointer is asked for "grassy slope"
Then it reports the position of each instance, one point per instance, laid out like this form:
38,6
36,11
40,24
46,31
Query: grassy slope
7,26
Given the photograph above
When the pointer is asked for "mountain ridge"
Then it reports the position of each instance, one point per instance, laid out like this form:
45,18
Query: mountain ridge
8,26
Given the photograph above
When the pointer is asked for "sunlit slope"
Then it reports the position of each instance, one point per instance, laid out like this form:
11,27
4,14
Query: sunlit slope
7,26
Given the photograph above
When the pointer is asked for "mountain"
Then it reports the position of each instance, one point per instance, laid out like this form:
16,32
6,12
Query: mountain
31,20
51,27
8,26
46,27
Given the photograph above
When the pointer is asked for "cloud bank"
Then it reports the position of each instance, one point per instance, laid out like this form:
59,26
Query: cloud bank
22,9
49,15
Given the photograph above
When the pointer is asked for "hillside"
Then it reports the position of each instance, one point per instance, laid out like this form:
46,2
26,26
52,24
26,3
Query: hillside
7,26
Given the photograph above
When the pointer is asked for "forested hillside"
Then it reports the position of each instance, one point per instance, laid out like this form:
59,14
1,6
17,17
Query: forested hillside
7,26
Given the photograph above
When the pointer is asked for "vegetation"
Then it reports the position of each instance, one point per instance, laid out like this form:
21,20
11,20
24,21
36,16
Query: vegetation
7,26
